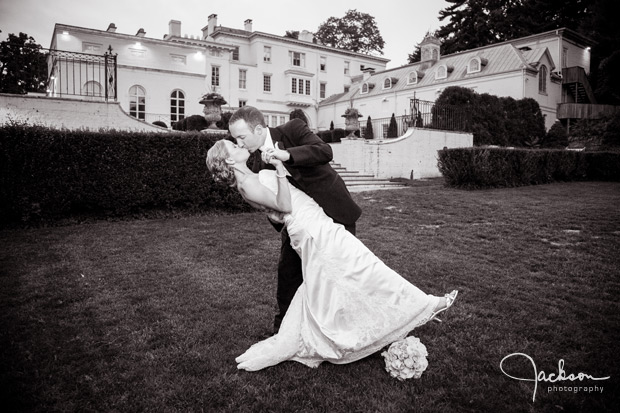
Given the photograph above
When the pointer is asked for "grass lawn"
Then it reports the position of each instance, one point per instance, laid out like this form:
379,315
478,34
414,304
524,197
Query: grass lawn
149,315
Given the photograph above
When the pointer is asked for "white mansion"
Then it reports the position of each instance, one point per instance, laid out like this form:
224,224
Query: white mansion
164,79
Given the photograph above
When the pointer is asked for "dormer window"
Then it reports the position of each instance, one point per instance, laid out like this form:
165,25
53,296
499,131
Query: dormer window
442,72
414,77
367,87
475,65
387,83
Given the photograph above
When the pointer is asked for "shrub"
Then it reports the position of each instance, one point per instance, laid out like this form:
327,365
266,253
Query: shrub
192,123
369,134
338,134
49,174
493,120
160,123
556,137
331,125
472,168
392,128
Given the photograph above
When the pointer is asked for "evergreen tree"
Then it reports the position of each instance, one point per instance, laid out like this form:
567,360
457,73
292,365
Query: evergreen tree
368,133
393,128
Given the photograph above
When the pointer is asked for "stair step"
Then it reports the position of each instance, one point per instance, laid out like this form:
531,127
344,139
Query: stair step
357,182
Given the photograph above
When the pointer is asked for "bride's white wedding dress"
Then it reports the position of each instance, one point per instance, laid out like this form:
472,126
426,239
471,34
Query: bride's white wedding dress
350,304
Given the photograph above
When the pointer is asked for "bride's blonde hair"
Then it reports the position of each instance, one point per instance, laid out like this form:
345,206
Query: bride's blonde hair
216,163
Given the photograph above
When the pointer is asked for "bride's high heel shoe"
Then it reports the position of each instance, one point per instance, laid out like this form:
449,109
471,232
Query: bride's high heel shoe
449,301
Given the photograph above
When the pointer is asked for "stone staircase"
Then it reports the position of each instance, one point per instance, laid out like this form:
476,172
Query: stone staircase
358,182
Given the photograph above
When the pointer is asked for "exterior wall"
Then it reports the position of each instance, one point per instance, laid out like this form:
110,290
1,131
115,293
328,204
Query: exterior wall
69,114
415,153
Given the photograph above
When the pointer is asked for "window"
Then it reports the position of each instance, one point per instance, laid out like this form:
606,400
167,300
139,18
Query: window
137,102
92,88
346,89
322,91
91,47
323,63
267,54
365,88
473,66
235,54
412,79
542,79
243,79
435,54
297,86
215,52
177,106
387,83
564,57
266,83
442,72
346,68
242,103
297,59
215,75
282,120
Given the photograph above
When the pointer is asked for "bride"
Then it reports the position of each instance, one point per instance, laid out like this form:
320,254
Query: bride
350,304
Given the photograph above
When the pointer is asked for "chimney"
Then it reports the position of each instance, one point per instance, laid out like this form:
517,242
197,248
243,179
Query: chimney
212,24
174,28
247,25
306,36
141,32
112,28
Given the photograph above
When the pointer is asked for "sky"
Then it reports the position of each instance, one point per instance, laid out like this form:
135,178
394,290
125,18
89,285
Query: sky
402,23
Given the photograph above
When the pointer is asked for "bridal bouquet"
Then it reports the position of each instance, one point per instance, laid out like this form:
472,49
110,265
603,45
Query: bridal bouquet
406,358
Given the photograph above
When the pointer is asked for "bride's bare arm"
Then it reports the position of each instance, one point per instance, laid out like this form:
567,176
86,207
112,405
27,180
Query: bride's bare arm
256,193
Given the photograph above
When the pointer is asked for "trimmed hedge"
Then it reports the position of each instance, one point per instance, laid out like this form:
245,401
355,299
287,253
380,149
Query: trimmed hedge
473,168
48,174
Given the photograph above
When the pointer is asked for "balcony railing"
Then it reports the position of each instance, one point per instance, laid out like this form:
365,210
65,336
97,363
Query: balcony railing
82,74
423,114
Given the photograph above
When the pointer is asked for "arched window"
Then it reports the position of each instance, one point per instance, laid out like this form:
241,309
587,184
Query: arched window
412,78
442,72
387,83
435,54
137,102
473,66
365,88
92,88
542,79
177,106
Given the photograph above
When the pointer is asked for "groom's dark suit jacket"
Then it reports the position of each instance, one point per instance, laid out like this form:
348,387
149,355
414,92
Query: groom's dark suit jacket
311,172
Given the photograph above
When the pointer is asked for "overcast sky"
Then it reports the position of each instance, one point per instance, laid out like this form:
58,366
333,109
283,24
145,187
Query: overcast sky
402,23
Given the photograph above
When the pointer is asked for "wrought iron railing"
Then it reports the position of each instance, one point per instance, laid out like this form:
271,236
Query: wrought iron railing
82,74
423,114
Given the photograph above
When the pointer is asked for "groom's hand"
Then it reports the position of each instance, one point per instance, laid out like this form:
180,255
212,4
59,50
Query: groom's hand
281,154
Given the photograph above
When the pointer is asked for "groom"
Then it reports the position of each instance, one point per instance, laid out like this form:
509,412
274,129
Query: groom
306,157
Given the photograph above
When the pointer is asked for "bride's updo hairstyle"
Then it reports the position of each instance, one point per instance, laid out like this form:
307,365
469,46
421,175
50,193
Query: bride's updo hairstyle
216,163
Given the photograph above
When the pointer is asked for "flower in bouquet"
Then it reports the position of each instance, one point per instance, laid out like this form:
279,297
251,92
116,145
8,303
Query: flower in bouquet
406,358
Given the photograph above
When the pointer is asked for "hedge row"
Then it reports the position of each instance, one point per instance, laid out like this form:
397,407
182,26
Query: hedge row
474,168
48,174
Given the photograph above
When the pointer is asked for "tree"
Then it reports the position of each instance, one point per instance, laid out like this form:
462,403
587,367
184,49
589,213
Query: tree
416,56
476,23
369,134
292,34
356,32
331,125
23,67
392,131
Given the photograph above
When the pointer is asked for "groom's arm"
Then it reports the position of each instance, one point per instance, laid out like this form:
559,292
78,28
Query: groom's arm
308,149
